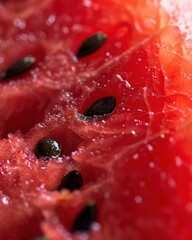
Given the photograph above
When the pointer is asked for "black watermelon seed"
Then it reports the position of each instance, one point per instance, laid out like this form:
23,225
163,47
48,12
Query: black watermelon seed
72,181
101,107
85,218
91,44
48,148
18,67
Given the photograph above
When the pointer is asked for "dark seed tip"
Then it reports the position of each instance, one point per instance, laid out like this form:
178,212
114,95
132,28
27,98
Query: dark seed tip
18,67
85,218
42,238
91,44
72,181
47,148
101,107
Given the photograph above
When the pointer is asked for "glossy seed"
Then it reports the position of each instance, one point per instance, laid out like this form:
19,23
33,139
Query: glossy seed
48,148
91,44
18,67
101,107
85,218
72,181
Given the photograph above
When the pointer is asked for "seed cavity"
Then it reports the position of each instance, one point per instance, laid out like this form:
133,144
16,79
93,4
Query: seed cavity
85,218
101,107
72,181
91,44
18,67
48,148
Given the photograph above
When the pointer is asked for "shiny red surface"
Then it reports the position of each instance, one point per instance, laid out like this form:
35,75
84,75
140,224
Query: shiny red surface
136,162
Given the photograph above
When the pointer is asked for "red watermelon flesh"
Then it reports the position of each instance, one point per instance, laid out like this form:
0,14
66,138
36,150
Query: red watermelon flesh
135,162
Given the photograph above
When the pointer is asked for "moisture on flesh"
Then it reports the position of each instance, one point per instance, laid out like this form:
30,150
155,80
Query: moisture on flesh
95,136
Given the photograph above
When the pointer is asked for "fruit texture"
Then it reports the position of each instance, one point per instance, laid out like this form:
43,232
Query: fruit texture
119,118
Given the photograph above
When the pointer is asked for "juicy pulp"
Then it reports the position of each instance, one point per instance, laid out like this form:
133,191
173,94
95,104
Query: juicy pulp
136,162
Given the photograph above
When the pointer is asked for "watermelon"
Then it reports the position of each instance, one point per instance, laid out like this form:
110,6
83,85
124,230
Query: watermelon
95,120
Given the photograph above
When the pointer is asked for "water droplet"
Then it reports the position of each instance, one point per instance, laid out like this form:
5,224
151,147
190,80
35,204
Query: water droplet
133,132
151,164
87,3
138,199
162,135
178,161
4,199
150,147
50,20
135,156
19,23
65,30
96,226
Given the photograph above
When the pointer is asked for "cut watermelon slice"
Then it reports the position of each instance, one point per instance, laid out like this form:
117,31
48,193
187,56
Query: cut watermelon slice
114,123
